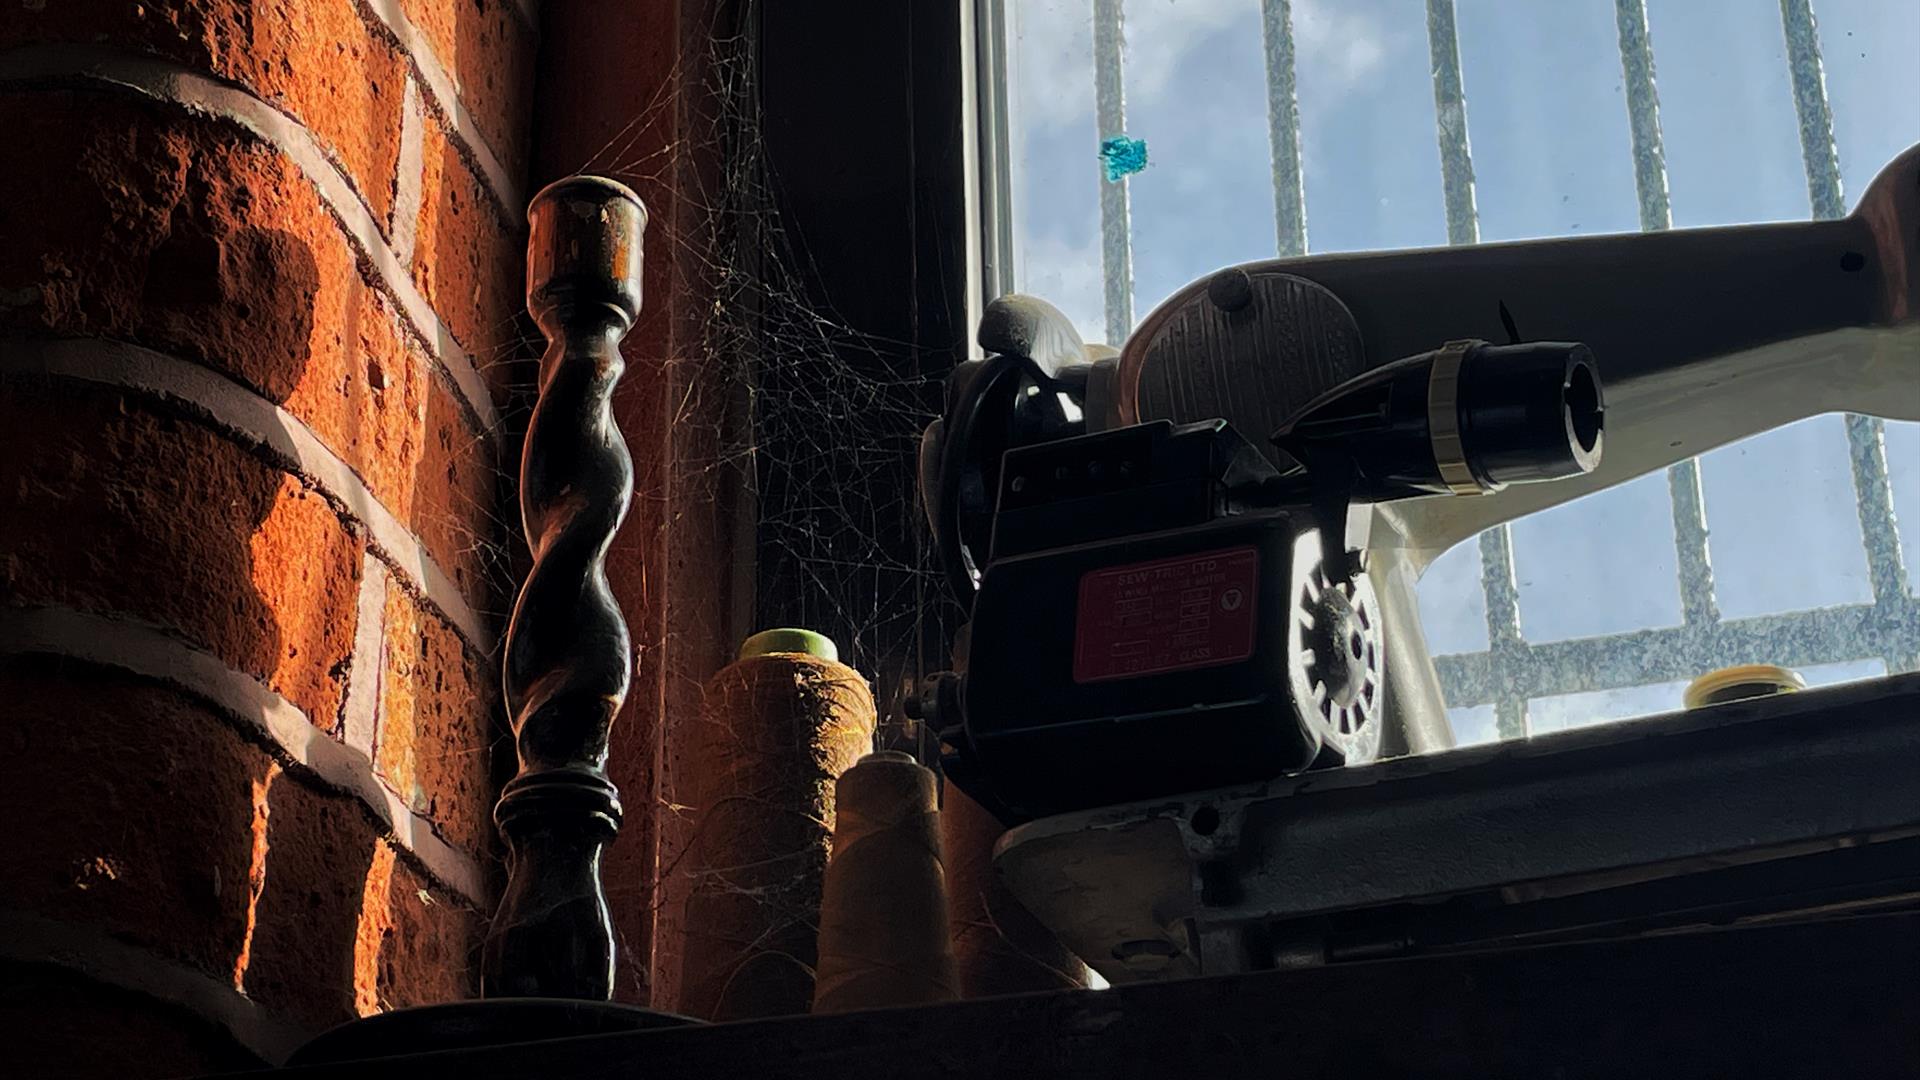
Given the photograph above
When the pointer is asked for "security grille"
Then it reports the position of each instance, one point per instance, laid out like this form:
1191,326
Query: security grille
1512,670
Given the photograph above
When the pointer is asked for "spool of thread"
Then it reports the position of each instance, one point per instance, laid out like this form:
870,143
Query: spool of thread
1740,683
998,945
753,776
883,918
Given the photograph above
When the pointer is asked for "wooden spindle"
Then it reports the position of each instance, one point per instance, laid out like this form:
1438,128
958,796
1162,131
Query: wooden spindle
568,658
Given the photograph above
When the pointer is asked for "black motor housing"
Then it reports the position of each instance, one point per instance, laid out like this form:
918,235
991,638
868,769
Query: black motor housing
1127,668
1136,632
1160,609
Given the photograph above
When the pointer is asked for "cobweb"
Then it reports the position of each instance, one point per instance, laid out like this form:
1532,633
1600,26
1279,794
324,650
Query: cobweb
821,420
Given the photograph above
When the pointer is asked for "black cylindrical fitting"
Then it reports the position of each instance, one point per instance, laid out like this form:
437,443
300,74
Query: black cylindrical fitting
1530,412
1470,417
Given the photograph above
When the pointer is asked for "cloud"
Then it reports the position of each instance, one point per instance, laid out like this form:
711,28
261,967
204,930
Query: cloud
1068,276
1350,45
1051,55
1050,65
1160,35
1056,220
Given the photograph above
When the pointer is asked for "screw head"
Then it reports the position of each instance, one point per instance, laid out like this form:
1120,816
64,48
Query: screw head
1230,290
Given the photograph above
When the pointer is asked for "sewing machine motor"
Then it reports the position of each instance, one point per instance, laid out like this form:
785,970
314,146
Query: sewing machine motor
1159,608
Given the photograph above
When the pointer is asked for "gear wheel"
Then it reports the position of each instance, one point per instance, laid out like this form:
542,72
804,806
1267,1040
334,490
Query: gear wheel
1338,661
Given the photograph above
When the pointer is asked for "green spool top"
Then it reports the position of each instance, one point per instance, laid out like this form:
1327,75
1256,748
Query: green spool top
789,640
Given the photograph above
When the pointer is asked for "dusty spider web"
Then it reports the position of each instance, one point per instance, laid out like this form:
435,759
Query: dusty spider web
822,420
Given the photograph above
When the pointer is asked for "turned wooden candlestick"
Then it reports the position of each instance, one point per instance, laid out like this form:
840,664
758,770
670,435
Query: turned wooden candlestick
568,658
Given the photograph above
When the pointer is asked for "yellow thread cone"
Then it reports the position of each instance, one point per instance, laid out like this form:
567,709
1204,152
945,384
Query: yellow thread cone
883,913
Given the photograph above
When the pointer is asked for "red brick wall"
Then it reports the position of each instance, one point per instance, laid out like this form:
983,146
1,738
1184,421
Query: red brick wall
258,284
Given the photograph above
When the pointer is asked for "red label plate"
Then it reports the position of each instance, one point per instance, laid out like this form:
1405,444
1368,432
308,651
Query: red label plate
1195,611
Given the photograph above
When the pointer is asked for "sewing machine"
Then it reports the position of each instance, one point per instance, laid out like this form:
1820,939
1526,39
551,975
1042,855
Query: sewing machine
1222,816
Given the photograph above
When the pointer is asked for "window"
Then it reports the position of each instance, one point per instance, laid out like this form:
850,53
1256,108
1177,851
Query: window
1305,126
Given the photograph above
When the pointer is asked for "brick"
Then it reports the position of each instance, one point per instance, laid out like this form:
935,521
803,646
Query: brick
437,721
322,63
411,947
150,225
372,399
430,949
332,906
149,816
130,809
458,507
364,390
467,261
176,233
179,232
489,51
116,509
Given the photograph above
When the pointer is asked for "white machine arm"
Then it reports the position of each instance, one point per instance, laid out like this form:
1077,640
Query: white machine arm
1702,336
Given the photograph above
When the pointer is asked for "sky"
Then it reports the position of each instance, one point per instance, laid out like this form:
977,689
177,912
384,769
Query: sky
1549,134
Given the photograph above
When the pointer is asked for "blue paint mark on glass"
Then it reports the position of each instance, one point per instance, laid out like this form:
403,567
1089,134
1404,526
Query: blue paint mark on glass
1122,156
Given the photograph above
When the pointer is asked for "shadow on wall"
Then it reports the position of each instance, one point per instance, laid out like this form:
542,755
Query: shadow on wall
200,850
137,813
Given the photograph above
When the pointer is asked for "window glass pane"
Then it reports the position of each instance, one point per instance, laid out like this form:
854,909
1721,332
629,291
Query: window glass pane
1054,145
1453,606
1602,706
1565,711
1368,157
1868,50
1845,672
1783,525
1196,92
1602,564
1727,124
1474,726
1547,118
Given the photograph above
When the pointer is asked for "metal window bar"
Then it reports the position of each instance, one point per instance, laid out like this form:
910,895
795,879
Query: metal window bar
1686,498
1512,670
1450,124
1866,435
1888,628
1505,644
1684,492
1116,226
1283,129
